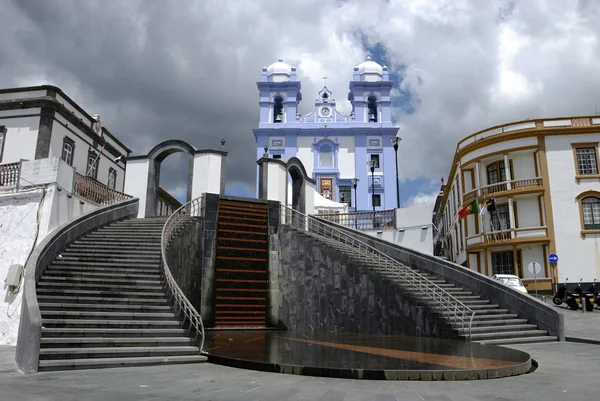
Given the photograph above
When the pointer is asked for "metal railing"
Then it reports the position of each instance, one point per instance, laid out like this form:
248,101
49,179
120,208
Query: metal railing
363,220
179,219
498,187
9,174
97,192
449,307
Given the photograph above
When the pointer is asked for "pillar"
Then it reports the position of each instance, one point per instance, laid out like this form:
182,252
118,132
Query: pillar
208,174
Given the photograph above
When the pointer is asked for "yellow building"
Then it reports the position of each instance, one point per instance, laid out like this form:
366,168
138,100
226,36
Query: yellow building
543,176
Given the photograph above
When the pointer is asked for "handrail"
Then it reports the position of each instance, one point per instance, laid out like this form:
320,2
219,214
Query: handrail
176,221
363,220
97,192
9,174
411,280
515,184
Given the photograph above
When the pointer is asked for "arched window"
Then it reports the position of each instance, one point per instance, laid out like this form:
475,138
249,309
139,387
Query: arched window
372,106
325,155
112,178
92,165
590,209
278,110
68,150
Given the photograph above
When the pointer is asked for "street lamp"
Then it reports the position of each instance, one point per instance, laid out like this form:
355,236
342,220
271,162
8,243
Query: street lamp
354,184
395,141
371,164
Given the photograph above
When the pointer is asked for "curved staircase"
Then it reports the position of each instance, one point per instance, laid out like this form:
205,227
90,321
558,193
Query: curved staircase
103,303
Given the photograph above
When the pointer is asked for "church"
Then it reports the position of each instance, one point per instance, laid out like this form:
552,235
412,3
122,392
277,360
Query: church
337,150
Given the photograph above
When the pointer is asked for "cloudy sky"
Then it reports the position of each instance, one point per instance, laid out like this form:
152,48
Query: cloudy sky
158,69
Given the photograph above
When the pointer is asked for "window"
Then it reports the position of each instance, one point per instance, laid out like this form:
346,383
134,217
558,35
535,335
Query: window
276,156
590,208
325,156
377,200
278,110
586,161
112,178
496,173
504,263
68,150
372,109
500,218
376,159
92,165
346,195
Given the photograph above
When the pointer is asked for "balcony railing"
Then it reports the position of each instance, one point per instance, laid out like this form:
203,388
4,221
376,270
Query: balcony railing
492,189
9,174
363,220
496,237
96,192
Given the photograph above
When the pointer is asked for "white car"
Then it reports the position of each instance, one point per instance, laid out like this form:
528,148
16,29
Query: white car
512,281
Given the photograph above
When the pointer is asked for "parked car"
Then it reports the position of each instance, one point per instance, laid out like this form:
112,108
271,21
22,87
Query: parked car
512,281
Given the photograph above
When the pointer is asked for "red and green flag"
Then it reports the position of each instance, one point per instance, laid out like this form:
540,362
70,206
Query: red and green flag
471,208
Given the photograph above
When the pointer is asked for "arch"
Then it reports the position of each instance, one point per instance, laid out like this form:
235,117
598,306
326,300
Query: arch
299,179
372,108
278,109
155,157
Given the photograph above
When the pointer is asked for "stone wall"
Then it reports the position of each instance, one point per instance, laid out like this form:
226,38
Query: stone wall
184,257
322,290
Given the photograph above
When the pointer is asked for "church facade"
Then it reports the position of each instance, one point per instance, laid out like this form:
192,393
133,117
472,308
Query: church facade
334,147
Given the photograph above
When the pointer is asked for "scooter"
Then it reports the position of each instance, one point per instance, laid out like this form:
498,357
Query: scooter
563,295
596,293
584,296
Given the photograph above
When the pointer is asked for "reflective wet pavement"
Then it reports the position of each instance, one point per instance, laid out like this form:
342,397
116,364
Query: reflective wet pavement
391,357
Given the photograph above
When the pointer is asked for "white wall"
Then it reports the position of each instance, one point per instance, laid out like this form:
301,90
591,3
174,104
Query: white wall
305,153
208,169
20,139
528,211
577,257
523,165
22,95
532,253
136,182
346,157
499,147
18,225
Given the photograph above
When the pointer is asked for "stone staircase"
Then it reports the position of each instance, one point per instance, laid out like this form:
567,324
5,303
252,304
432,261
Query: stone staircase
491,324
242,273
103,303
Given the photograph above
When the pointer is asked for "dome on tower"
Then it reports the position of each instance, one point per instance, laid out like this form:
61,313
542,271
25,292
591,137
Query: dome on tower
279,71
369,70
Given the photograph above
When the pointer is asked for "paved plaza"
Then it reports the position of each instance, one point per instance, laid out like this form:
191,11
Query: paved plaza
566,371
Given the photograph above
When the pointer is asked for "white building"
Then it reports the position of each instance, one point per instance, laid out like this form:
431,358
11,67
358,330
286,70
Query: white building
543,176
41,121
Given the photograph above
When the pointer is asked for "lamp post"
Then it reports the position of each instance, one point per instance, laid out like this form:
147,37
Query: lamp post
395,141
371,164
354,184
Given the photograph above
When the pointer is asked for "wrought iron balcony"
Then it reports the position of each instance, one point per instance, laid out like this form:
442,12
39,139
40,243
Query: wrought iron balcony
503,188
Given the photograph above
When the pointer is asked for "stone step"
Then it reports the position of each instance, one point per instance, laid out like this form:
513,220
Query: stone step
107,279
497,329
99,246
102,287
104,270
499,316
111,241
97,315
466,297
115,352
124,236
93,274
131,229
75,300
87,256
123,263
48,306
519,340
98,293
105,332
100,363
485,307
115,323
506,334
470,302
499,322
107,342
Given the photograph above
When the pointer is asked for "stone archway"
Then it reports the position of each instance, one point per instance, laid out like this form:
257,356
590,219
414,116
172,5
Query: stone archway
206,173
299,178
155,157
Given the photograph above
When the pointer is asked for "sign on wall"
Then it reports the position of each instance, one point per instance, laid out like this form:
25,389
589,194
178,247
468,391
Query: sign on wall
325,187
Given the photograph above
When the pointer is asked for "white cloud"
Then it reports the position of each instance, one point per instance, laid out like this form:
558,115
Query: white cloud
422,199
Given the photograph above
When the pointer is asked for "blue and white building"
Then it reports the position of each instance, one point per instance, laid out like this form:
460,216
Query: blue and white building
334,147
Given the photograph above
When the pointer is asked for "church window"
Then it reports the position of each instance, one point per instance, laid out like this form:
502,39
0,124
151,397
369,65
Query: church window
325,156
92,165
377,200
68,150
278,110
372,106
276,156
346,195
376,159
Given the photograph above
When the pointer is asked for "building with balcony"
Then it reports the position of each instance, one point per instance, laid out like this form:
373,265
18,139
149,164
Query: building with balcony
543,177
